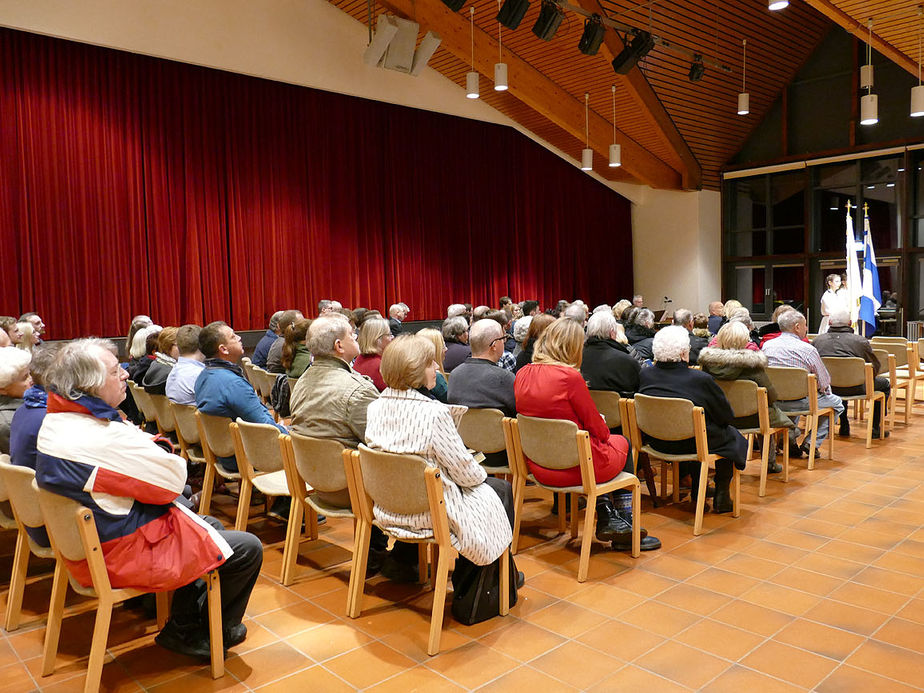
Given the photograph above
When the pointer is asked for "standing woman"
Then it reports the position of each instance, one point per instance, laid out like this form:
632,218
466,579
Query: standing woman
374,336
833,299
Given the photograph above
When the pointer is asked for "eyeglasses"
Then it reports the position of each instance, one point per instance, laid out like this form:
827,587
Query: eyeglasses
493,341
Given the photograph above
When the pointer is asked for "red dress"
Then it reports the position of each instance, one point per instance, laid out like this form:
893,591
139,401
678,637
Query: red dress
558,392
368,364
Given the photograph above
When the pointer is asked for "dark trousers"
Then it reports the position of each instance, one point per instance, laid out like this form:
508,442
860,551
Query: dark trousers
237,576
880,384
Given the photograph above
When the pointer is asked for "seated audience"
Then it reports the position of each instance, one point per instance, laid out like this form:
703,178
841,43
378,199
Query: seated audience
11,328
396,314
480,508
261,351
701,326
181,380
326,306
274,355
142,351
440,391
743,315
671,376
38,325
29,337
840,340
507,360
684,319
606,363
792,350
538,325
577,312
620,308
552,387
87,453
520,328
772,329
14,381
642,334
455,334
374,336
716,315
155,380
295,354
137,323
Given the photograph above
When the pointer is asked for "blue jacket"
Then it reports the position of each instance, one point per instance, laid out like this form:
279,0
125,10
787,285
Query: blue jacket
23,436
262,349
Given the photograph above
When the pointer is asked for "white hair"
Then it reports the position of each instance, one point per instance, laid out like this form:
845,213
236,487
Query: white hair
455,327
325,331
138,347
521,327
788,320
645,318
602,307
601,324
454,310
79,369
839,318
671,343
576,311
394,310
13,363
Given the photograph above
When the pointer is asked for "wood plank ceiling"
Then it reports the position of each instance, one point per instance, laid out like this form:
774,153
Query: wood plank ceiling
674,134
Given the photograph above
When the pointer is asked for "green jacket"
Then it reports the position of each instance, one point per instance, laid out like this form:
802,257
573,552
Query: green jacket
300,362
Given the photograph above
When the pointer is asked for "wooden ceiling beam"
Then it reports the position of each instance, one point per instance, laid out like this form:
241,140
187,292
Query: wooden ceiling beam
640,90
859,29
536,90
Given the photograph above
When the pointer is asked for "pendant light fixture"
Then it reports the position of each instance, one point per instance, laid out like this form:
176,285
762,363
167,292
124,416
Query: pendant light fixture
587,155
500,67
471,77
869,103
917,93
744,99
615,149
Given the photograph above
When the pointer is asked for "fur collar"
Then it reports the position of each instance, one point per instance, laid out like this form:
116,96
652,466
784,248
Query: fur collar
735,358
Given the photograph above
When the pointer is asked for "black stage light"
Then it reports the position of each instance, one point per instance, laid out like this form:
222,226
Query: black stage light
632,52
697,69
550,18
454,5
511,13
592,36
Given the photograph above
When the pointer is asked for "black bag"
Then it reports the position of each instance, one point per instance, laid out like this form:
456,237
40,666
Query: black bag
476,590
279,396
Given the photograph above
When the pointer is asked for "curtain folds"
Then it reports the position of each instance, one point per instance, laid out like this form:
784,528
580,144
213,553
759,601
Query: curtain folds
137,185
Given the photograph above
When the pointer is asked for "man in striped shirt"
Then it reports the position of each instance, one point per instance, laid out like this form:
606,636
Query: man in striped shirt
791,350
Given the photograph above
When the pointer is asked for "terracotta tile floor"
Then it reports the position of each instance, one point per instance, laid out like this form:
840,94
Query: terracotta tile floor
819,585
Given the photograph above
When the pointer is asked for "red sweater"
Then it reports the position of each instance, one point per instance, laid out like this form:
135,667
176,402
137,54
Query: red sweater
368,364
559,392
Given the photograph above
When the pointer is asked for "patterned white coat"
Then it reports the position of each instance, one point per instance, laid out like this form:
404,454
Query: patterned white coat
406,422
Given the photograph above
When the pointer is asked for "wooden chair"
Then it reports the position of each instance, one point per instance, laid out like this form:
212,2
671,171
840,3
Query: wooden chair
560,444
746,399
482,430
906,370
674,419
145,405
163,414
292,382
17,482
73,535
612,406
406,485
248,367
263,383
887,370
793,384
312,464
259,462
187,433
852,371
216,440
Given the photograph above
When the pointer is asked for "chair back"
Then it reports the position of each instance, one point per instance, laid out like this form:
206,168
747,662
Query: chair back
247,366
550,443
260,443
143,400
608,404
394,482
18,483
883,357
185,417
4,495
483,430
265,381
292,382
215,433
59,513
741,395
878,339
790,383
845,371
664,418
319,462
900,350
166,422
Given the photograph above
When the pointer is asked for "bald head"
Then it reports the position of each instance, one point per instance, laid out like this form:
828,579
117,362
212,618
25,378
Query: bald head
480,336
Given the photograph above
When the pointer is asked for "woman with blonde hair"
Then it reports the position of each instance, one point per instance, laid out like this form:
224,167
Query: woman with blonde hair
374,336
620,308
441,391
552,387
29,337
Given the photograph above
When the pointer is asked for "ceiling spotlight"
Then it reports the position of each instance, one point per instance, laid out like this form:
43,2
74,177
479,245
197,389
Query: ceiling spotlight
633,51
697,69
592,36
869,109
512,12
773,5
549,19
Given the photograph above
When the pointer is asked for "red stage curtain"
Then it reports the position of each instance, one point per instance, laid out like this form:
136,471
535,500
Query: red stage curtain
137,185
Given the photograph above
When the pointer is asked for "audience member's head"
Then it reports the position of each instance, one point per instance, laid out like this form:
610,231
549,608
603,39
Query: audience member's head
486,339
331,335
792,321
480,312
742,315
43,358
138,322
601,325
274,321
408,363
8,323
187,341
645,318
701,321
620,308
28,336
325,306
38,325
348,314
150,342
14,372
374,336
295,336
456,329
89,367
638,301
716,308
521,328
166,342
539,325
501,317
780,309
561,343
455,310
601,307
139,344
839,318
359,316
287,318
683,318
396,311
218,340
730,307
577,312
733,335
504,302
630,315
530,307
439,346
671,344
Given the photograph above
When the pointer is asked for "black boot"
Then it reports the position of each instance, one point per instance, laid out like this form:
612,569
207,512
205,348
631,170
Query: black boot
609,525
844,430
773,467
722,503
623,505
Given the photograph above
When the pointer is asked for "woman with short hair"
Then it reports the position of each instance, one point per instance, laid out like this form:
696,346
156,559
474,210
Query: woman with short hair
374,336
14,381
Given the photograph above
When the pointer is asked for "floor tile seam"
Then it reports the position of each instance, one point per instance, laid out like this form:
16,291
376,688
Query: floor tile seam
760,673
655,673
279,637
327,659
878,673
728,625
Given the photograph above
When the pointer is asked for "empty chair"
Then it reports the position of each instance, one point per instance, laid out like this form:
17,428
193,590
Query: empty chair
259,462
216,440
854,373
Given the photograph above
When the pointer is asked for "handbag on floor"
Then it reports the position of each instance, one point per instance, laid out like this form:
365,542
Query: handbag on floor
476,590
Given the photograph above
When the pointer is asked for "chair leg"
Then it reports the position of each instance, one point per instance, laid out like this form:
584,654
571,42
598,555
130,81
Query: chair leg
422,564
636,520
562,512
55,614
764,460
701,499
208,485
98,645
750,439
243,505
17,582
589,513
574,515
831,420
162,608
439,601
675,470
785,455
358,573
736,493
216,637
814,445
869,424
293,539
519,489
644,464
312,524
505,583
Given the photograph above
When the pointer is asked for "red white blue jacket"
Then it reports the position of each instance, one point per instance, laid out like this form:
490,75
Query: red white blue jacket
86,452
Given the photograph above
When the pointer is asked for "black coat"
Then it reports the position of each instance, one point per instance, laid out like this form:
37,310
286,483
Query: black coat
607,365
697,344
678,380
395,326
526,354
456,353
636,333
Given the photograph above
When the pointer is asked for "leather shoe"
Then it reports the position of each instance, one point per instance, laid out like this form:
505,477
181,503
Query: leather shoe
610,525
521,579
648,543
844,431
234,635
722,503
774,467
186,640
876,433
795,452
